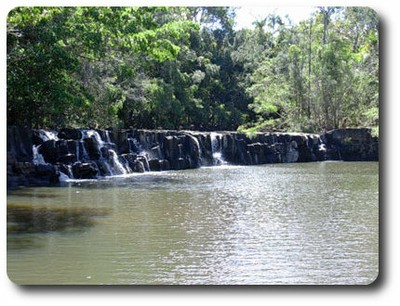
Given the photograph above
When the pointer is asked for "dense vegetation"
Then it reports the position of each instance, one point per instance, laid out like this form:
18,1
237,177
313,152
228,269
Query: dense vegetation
186,67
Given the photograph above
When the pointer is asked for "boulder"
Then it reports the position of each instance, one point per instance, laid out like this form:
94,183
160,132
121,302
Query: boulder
67,133
154,165
291,152
93,148
85,170
138,166
49,151
67,158
19,143
352,144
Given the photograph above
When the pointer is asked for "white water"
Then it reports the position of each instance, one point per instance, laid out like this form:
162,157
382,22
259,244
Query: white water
117,166
113,164
96,135
37,157
216,144
51,135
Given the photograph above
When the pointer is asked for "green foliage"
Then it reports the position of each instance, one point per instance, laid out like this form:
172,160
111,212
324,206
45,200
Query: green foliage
186,67
72,65
322,75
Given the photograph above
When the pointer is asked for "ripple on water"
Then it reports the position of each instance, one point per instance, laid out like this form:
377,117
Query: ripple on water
314,223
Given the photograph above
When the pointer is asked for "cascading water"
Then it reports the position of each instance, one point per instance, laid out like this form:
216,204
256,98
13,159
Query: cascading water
135,147
90,154
38,158
112,163
48,135
216,148
116,164
95,135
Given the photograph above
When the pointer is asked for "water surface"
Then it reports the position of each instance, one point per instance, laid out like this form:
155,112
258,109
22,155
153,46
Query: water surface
310,223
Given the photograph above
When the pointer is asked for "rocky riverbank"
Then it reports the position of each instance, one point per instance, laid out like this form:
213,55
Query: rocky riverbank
43,157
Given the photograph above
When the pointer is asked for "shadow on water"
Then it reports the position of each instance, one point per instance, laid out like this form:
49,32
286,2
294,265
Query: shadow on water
22,219
27,194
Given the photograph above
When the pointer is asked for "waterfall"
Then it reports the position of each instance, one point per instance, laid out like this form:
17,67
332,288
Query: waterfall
108,160
216,148
51,135
70,173
321,145
108,136
77,150
37,157
96,135
85,154
117,165
90,154
46,135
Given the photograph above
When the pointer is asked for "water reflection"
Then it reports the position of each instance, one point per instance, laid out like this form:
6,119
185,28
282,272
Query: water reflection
30,219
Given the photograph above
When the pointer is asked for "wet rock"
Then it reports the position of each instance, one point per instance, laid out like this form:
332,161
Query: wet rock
354,144
49,151
164,165
67,158
172,151
192,151
157,150
85,170
68,133
19,143
154,165
291,154
40,136
138,166
144,161
93,148
23,168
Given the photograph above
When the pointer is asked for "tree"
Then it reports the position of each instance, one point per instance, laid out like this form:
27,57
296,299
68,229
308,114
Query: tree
186,67
320,74
60,61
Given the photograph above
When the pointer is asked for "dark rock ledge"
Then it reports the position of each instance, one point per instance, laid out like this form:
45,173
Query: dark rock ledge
40,157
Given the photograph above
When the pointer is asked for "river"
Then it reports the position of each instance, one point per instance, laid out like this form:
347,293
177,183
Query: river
303,223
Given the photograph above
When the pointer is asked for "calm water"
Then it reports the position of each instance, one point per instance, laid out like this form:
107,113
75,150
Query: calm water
311,223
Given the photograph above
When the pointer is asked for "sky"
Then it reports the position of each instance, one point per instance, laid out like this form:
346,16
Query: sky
246,15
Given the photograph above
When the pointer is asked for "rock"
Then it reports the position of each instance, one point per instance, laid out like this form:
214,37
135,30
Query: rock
93,148
154,165
85,170
19,143
164,165
49,151
138,166
192,151
172,151
291,154
40,136
144,161
157,150
103,167
23,168
68,133
352,144
67,158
